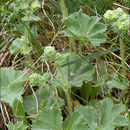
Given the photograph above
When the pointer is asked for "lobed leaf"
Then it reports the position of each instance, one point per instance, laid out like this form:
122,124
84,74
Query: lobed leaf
83,27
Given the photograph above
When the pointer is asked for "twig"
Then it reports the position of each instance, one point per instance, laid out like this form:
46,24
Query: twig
3,114
119,58
3,59
47,15
6,113
56,34
116,4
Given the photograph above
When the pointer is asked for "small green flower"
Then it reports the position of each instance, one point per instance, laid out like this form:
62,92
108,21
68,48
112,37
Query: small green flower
36,79
118,18
36,4
108,14
49,52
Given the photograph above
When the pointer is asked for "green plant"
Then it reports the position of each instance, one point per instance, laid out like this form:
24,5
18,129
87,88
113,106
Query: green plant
50,53
62,89
52,119
12,87
18,126
107,117
84,28
28,16
120,21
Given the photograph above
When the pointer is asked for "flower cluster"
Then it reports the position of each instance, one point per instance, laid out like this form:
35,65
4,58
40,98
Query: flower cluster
36,79
36,4
50,53
118,18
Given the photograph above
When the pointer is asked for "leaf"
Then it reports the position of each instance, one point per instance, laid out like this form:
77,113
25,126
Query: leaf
106,116
81,127
92,56
83,27
120,121
18,126
18,111
11,87
16,45
31,68
48,119
108,111
72,121
31,18
29,102
52,120
76,73
85,91
89,116
116,83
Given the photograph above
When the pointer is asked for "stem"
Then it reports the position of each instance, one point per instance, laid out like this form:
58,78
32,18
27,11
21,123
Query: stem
122,56
68,100
70,45
63,8
61,74
29,59
26,42
80,48
66,91
73,43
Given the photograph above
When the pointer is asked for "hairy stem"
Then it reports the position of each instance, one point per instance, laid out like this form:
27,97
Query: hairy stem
122,56
66,90
63,8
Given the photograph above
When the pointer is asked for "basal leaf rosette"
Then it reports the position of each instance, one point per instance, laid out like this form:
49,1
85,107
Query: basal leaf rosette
83,27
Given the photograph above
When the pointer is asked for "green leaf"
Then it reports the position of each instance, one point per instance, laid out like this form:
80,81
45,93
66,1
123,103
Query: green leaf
31,68
85,91
48,119
116,83
18,111
83,27
72,121
120,121
16,45
89,116
81,127
76,73
18,126
108,111
31,18
29,102
11,87
106,116
92,56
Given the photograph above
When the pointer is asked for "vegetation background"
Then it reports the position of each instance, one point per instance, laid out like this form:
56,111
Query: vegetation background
64,64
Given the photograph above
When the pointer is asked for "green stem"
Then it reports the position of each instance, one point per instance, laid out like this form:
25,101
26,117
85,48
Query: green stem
68,100
62,75
73,43
122,56
80,48
70,45
66,91
26,37
29,59
63,8
26,42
